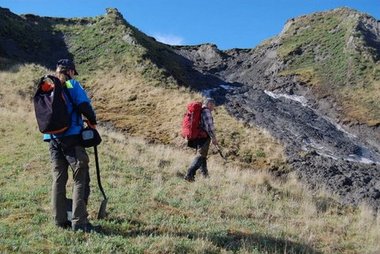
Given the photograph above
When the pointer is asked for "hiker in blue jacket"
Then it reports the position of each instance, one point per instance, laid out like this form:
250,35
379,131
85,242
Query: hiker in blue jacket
66,150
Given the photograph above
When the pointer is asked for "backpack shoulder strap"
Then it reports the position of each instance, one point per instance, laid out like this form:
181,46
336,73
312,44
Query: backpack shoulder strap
67,92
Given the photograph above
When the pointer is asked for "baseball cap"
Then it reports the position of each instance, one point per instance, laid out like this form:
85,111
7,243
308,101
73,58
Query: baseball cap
66,64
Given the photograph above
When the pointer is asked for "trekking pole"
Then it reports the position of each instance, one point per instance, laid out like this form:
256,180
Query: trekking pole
102,210
220,152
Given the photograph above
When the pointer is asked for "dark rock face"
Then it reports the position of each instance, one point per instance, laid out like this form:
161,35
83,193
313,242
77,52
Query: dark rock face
299,126
335,160
353,182
344,160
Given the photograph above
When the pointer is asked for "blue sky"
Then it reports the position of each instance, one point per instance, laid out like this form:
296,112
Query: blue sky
226,23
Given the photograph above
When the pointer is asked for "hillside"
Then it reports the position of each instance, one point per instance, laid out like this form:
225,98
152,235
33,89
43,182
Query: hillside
152,210
330,58
315,87
252,85
300,106
132,94
337,55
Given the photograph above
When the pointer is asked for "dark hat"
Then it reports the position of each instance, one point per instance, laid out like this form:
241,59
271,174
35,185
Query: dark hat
66,64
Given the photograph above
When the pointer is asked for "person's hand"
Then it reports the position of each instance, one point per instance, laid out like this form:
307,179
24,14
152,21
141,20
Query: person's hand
93,126
215,142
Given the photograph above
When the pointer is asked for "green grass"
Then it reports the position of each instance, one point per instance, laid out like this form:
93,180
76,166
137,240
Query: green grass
151,209
240,209
319,48
98,43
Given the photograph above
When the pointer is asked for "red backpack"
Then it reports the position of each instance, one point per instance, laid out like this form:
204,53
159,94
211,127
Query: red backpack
191,123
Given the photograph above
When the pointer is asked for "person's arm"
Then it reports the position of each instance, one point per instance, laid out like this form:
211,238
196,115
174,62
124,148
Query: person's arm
84,104
85,109
208,123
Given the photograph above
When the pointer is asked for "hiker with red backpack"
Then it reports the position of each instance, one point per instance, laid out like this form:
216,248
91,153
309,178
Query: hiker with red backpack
60,102
198,128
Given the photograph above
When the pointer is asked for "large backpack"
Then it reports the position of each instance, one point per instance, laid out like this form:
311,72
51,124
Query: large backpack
191,123
50,106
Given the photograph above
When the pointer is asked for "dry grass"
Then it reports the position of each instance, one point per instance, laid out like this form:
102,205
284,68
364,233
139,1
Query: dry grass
366,107
247,200
152,209
141,109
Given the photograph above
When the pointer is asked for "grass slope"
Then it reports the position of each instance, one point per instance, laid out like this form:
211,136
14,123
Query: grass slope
152,209
328,51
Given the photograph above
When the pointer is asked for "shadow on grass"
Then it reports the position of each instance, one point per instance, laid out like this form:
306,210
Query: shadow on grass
31,39
228,240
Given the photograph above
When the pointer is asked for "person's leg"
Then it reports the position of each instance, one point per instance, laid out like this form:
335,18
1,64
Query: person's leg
197,162
78,159
203,168
60,176
203,149
203,152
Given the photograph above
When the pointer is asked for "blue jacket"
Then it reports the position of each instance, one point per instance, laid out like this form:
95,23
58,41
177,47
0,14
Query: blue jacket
79,96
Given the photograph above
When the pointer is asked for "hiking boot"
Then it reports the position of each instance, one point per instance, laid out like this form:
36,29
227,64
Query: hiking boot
205,175
64,225
189,178
87,228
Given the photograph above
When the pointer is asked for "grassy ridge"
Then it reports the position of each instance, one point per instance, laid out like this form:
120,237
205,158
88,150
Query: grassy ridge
329,53
153,210
100,44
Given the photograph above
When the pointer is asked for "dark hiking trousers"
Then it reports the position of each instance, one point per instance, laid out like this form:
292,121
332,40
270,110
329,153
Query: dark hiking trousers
200,161
203,149
77,159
